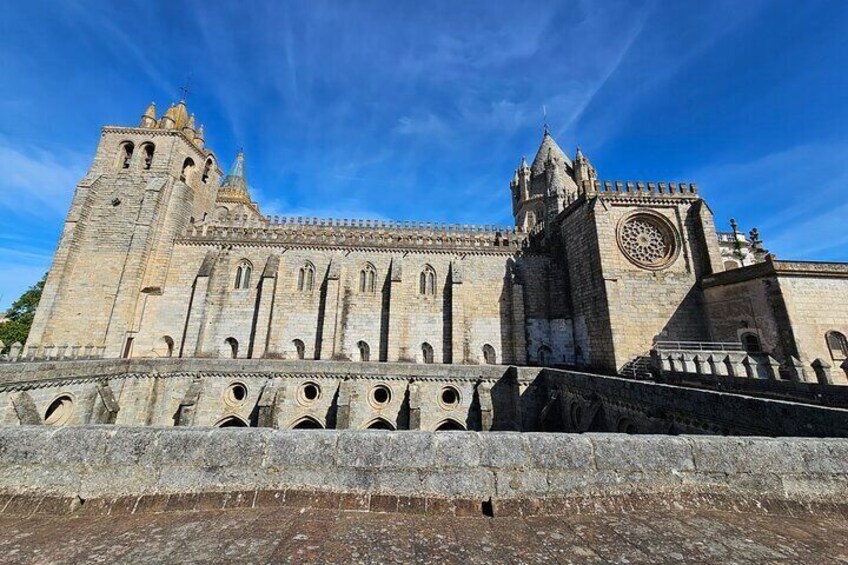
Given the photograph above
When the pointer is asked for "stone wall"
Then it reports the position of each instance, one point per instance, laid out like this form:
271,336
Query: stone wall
106,461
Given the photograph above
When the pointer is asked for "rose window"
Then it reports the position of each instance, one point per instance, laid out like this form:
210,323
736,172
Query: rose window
647,241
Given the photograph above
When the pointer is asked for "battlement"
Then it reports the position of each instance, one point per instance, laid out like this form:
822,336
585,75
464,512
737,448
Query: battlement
314,231
640,188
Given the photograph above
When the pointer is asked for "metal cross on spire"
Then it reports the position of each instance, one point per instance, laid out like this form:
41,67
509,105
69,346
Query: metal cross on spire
185,88
545,117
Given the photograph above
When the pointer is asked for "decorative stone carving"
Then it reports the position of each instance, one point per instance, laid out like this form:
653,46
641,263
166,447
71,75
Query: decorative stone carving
648,240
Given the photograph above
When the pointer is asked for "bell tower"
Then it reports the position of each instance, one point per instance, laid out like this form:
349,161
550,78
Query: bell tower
144,187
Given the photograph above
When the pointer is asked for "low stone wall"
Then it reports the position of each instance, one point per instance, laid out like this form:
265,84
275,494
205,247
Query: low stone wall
92,462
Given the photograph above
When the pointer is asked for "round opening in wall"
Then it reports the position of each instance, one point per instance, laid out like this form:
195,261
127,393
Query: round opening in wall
59,411
236,394
308,393
380,396
449,397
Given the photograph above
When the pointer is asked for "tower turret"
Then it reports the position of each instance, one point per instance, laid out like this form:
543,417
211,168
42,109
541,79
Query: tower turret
167,121
233,194
148,119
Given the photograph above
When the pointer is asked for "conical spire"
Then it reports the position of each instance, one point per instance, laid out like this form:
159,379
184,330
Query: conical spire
200,137
548,149
167,121
148,119
234,186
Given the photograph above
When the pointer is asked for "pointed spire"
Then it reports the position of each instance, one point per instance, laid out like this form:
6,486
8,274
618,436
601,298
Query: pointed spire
180,115
579,154
188,128
548,150
167,121
148,119
236,180
200,137
523,164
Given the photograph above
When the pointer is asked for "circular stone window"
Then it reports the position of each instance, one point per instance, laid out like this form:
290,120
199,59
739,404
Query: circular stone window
449,397
59,411
308,393
648,240
236,394
380,396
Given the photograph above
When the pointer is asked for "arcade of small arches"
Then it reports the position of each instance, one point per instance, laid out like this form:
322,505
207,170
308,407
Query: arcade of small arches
127,160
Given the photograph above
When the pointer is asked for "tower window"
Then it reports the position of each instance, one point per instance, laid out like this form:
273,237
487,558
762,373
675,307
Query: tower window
838,345
243,274
147,151
368,279
364,351
305,278
126,154
427,281
751,343
233,345
300,348
489,355
188,166
206,170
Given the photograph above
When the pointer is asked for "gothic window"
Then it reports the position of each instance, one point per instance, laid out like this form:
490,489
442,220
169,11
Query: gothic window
300,348
306,278
206,169
838,345
648,241
125,155
489,355
243,274
427,353
450,425
751,342
368,279
232,344
364,351
427,282
147,151
165,347
188,166
529,220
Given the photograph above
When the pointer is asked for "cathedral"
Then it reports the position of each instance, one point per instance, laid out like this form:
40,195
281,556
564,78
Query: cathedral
163,255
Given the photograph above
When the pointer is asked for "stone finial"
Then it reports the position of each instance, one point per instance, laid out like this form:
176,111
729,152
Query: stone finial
148,119
15,351
823,374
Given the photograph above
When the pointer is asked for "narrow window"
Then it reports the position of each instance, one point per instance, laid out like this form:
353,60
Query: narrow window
128,347
243,274
751,343
147,152
544,355
838,345
364,351
305,278
427,353
300,348
368,279
206,170
233,345
127,149
489,354
188,166
427,281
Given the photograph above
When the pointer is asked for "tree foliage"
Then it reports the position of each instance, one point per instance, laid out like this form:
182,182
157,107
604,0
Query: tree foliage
19,316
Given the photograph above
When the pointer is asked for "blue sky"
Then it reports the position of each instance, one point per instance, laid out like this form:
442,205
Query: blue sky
422,110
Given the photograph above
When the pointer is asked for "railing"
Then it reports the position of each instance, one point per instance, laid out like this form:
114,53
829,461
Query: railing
697,346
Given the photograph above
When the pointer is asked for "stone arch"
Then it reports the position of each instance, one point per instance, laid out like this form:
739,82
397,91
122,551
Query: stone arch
231,421
207,168
164,346
427,281
306,277
125,154
427,354
544,355
187,168
147,152
299,348
379,424
837,345
489,355
306,423
751,342
364,351
233,344
450,425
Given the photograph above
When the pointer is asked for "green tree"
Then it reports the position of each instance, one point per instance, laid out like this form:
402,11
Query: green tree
19,316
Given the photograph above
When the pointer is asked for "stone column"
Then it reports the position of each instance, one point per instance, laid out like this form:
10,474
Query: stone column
397,312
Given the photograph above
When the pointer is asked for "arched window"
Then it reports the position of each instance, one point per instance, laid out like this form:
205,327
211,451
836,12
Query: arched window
125,154
751,342
307,423
364,351
147,151
379,424
165,347
489,355
305,278
300,348
838,345
231,422
529,220
427,281
427,353
243,274
188,166
368,279
232,343
207,168
544,355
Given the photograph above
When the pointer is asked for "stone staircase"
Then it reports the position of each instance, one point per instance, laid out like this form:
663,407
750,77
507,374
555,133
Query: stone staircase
639,368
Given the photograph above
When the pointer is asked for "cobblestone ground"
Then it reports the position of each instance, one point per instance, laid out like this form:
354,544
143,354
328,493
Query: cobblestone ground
322,536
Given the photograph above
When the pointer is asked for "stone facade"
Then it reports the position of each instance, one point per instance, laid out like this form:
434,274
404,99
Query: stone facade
164,256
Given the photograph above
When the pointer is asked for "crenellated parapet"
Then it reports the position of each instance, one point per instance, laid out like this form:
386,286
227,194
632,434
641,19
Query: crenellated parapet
346,232
639,189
